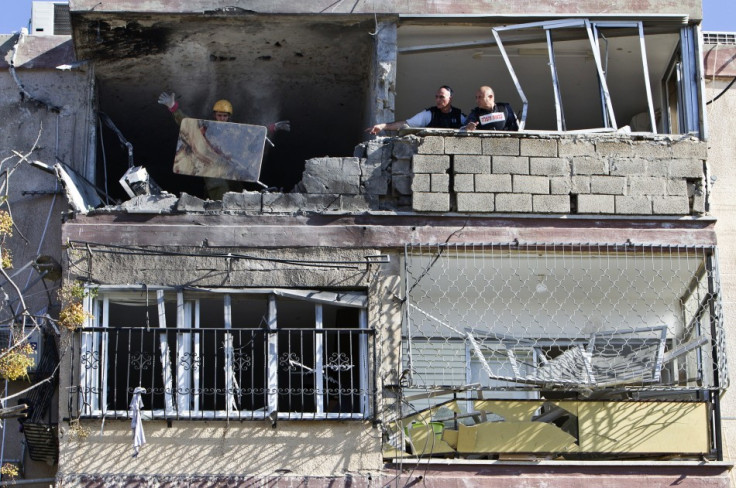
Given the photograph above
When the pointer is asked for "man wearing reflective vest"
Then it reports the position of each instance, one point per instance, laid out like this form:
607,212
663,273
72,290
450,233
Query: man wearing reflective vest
489,114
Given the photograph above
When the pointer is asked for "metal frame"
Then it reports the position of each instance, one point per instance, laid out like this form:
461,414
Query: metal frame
592,31
95,349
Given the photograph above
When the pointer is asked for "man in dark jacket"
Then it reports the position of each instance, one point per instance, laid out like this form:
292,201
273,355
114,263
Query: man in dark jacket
442,116
489,114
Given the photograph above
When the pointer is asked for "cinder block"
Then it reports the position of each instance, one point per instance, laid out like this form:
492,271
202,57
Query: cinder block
331,175
431,202
698,202
430,163
646,185
300,202
596,204
608,185
500,146
189,203
551,203
463,145
690,148
440,183
358,203
405,148
575,147
586,165
614,148
549,166
515,165
513,202
628,167
373,179
560,185
421,183
379,151
676,186
401,184
538,147
652,149
686,168
401,166
431,145
531,184
658,167
464,183
475,202
580,185
471,164
674,205
493,183
245,201
626,205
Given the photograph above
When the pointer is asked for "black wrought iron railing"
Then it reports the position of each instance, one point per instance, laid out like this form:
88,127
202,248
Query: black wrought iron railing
209,373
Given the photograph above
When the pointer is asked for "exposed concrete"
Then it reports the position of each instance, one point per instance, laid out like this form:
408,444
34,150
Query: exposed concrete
57,120
591,170
217,449
307,70
691,8
721,148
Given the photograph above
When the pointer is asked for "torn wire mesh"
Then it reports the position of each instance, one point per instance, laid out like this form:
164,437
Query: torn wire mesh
584,317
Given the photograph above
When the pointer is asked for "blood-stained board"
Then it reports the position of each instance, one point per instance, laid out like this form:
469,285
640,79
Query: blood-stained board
220,150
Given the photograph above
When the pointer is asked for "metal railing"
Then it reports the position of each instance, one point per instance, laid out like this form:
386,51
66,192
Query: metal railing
215,373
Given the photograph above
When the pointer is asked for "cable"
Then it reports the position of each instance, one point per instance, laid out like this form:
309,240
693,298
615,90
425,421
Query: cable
722,92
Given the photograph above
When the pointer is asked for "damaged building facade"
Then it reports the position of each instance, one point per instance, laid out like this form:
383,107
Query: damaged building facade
427,306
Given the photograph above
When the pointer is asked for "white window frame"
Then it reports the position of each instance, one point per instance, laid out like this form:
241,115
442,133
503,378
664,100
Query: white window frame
94,347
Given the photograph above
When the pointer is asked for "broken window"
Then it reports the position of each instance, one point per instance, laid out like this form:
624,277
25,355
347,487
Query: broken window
679,88
290,354
559,75
539,331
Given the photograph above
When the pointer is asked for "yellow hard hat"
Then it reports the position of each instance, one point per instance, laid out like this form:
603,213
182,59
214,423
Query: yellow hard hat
223,106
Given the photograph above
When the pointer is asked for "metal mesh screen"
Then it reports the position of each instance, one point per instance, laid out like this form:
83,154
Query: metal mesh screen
522,318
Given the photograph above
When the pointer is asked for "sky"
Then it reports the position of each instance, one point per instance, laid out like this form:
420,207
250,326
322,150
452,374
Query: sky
718,15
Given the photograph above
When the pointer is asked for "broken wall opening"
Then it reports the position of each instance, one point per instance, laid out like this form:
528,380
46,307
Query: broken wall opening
469,57
547,349
314,73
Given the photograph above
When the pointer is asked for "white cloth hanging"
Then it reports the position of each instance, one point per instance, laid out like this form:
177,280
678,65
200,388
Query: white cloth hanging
136,424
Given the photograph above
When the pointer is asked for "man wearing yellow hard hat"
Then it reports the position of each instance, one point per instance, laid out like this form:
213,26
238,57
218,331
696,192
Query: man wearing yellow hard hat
222,111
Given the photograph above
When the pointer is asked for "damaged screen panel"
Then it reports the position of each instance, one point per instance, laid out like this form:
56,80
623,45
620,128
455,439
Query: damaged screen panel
220,150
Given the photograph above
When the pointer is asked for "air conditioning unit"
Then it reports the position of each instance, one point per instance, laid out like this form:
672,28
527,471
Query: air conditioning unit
50,19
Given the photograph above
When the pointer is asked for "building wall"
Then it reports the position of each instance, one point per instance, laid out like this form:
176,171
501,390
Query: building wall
52,126
419,7
721,159
250,448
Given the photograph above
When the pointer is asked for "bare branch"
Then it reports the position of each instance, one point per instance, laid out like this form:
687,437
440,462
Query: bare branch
36,385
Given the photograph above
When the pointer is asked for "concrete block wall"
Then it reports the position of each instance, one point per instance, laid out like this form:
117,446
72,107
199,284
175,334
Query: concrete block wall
607,174
598,174
377,177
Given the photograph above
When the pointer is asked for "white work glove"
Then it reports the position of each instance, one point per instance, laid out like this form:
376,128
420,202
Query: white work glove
167,99
284,125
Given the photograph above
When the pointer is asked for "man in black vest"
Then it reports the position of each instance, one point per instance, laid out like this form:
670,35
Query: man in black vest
442,116
489,114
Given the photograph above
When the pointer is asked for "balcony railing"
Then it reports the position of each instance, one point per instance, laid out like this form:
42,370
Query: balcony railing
208,373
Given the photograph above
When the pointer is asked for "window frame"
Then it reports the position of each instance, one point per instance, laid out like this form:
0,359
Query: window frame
181,399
